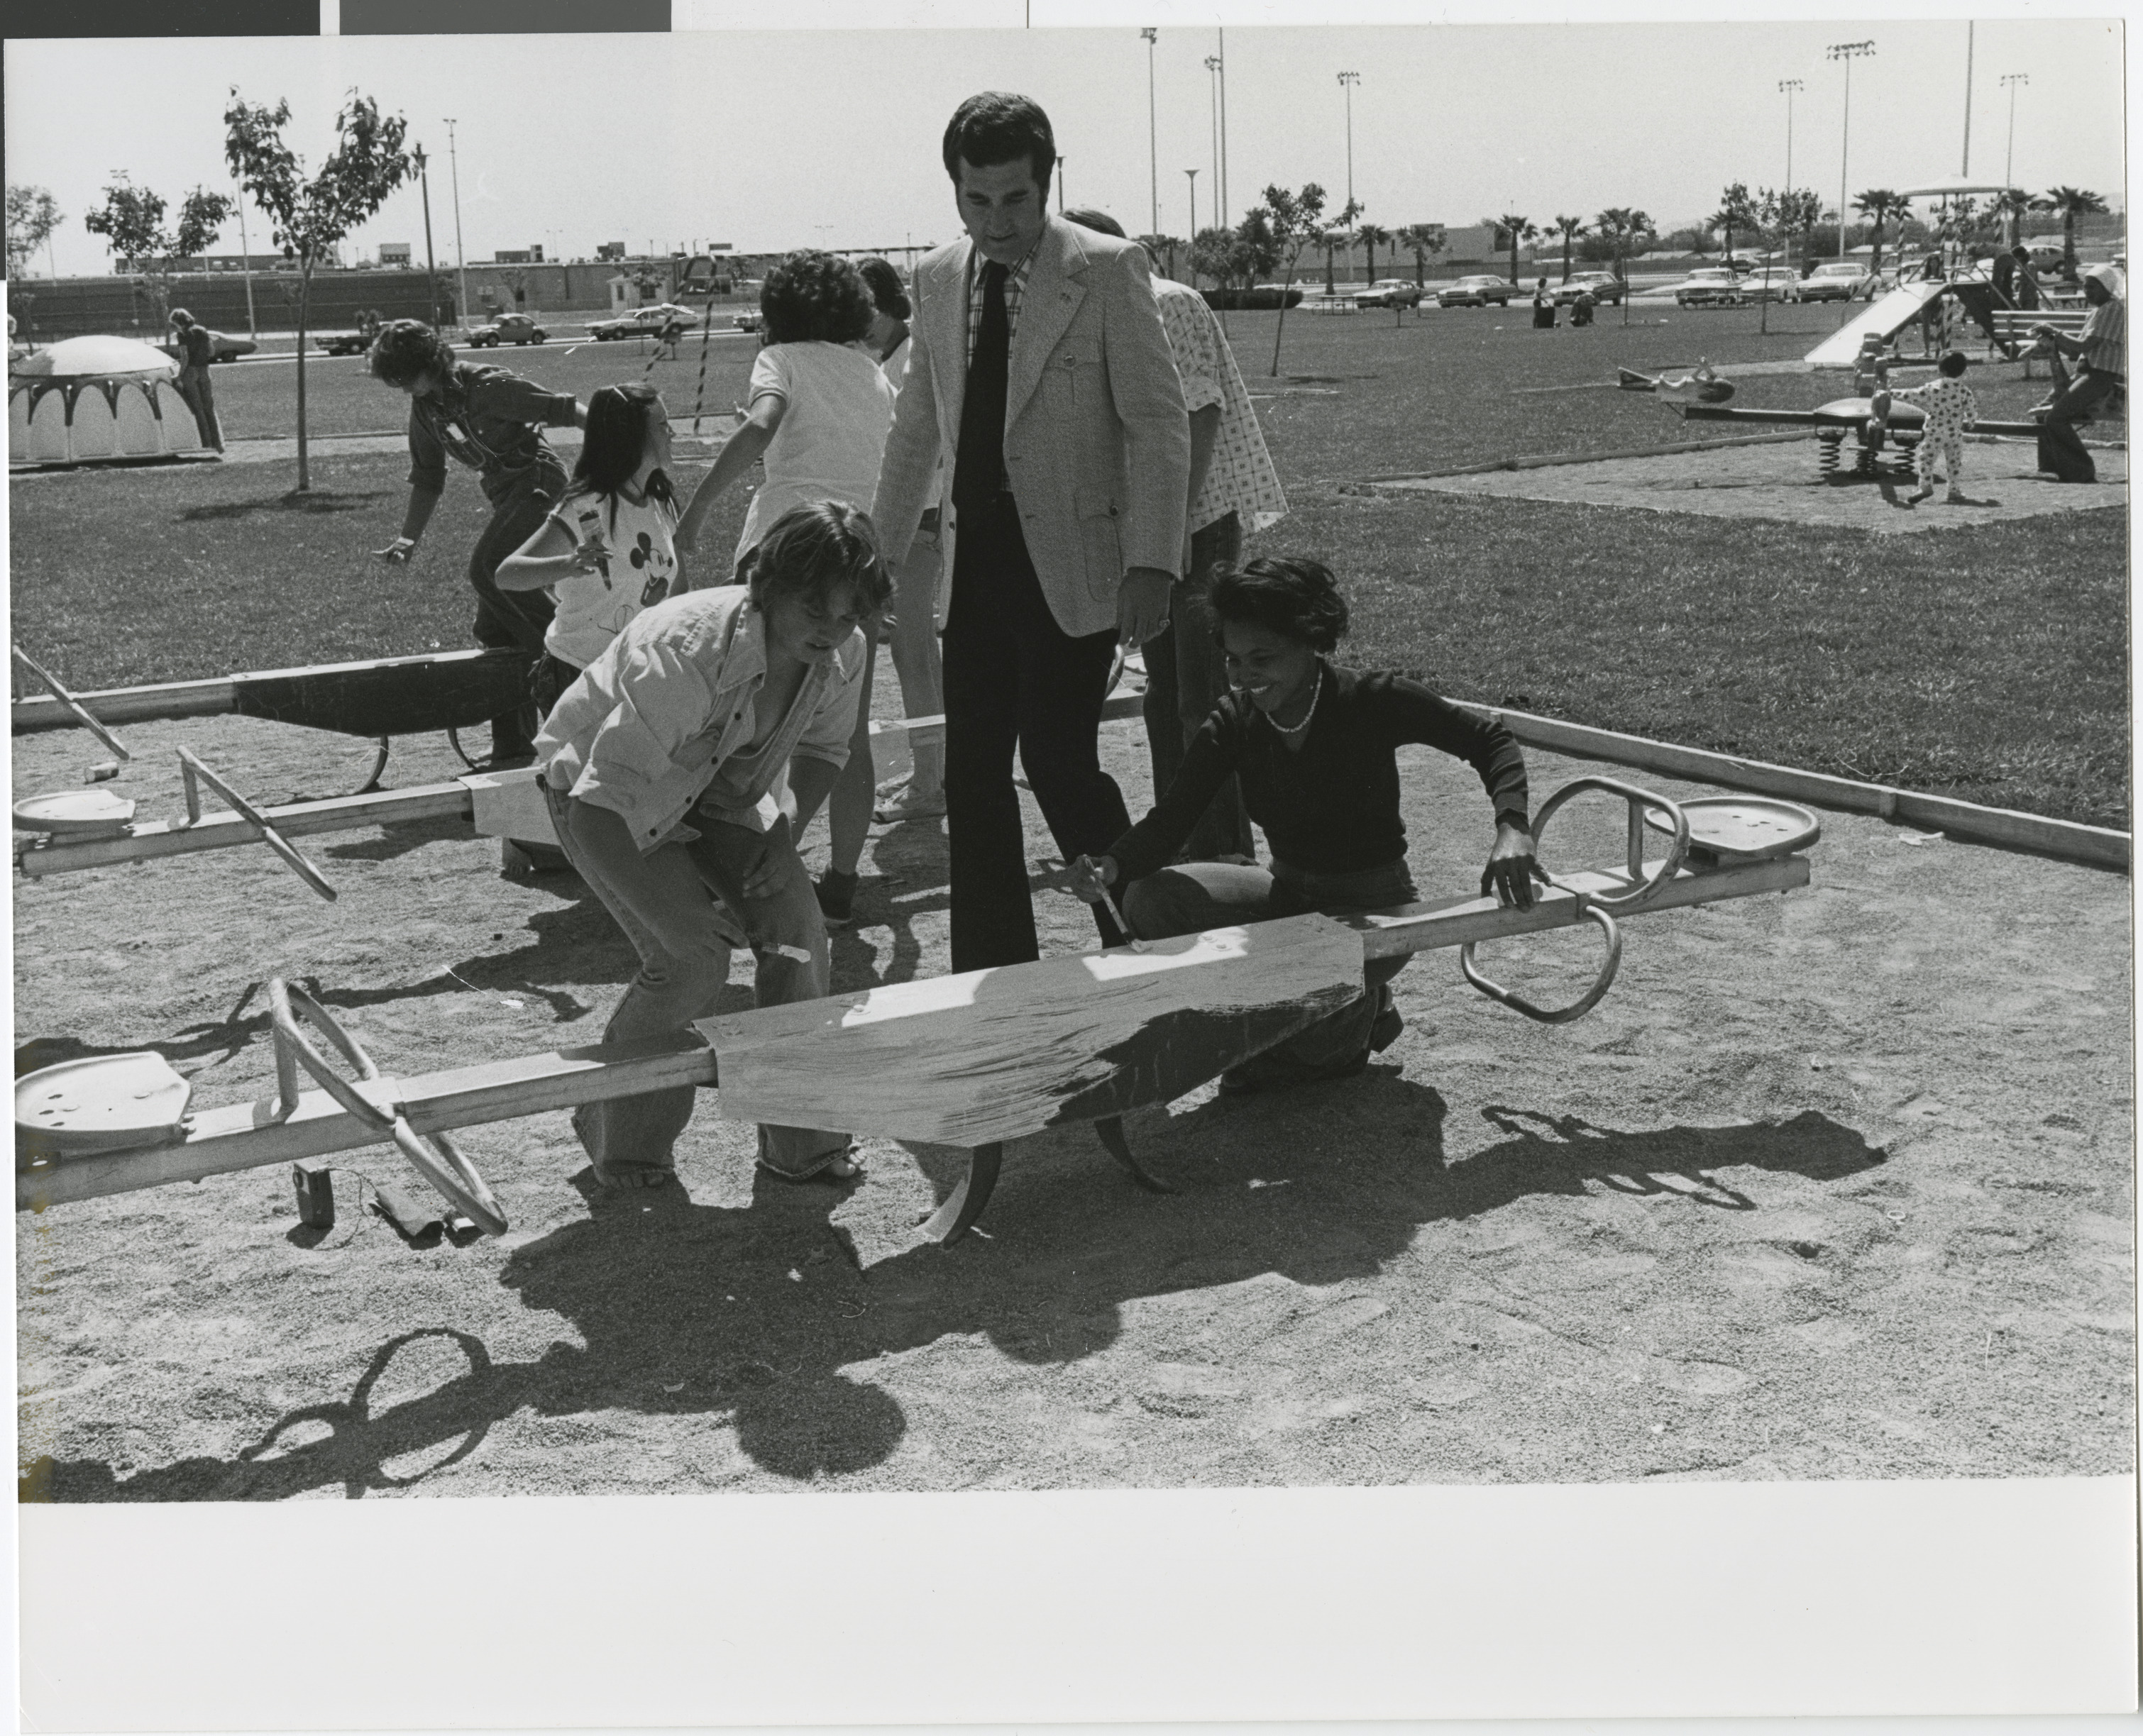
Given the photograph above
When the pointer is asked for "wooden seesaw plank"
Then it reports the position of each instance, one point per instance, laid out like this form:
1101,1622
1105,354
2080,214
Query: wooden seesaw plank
1152,1025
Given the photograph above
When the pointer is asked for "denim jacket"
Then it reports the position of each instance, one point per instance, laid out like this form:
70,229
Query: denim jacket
648,723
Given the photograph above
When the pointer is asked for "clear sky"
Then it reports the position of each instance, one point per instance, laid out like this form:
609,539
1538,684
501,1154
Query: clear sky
828,136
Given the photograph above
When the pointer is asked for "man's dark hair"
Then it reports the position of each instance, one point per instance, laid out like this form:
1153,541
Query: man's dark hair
1295,599
1087,217
2023,252
814,296
886,290
406,350
996,126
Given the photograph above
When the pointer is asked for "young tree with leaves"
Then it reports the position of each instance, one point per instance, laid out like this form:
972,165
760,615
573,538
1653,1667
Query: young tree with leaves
131,221
2072,203
1878,205
1290,223
1621,226
1515,228
1422,240
1570,228
310,217
33,215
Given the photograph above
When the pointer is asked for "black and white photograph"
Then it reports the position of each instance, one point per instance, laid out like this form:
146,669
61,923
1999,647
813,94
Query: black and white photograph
1114,768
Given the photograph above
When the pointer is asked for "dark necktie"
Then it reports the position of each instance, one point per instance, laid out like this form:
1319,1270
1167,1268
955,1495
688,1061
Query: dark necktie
979,471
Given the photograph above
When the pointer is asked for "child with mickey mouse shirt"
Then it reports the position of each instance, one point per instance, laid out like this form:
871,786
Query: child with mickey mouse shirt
608,549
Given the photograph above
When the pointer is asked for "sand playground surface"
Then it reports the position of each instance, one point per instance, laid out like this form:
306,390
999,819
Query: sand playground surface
1833,1184
1781,481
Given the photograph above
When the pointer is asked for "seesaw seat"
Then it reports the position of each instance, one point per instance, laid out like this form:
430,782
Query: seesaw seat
99,1103
1743,828
74,813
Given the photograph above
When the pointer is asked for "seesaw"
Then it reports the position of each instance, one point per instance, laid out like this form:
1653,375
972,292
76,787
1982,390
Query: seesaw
68,831
378,699
972,1059
1856,416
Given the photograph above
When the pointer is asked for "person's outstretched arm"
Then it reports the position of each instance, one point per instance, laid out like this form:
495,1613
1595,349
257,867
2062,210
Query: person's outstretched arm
745,449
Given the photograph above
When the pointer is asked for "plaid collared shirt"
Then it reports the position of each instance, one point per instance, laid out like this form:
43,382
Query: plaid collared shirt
1015,287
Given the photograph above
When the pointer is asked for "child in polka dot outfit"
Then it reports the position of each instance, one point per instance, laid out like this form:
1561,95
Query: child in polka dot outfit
1950,409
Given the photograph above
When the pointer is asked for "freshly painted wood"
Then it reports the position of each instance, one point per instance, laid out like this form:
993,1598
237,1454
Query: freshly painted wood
987,1056
2098,846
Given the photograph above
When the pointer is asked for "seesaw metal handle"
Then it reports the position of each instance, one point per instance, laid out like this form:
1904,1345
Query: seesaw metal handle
1556,1015
435,1156
120,750
195,774
1640,802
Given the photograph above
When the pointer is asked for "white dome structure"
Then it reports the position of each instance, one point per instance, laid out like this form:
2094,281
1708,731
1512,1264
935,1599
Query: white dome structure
86,399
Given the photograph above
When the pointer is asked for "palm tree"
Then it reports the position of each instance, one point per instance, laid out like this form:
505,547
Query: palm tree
1570,228
1421,239
2009,206
1620,224
1371,237
2072,203
1518,228
1160,247
1879,205
1331,240
1736,211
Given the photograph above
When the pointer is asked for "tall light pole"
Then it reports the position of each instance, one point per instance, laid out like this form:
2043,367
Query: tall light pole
2009,162
1213,96
1152,134
1060,187
1193,174
1787,86
431,274
1221,206
1848,52
1965,167
461,258
244,247
1348,80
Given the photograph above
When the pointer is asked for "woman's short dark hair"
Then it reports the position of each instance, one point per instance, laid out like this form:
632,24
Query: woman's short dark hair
616,439
884,283
997,127
1295,599
813,296
406,350
810,550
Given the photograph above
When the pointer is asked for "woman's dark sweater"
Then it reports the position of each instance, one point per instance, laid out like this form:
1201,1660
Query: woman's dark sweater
1332,807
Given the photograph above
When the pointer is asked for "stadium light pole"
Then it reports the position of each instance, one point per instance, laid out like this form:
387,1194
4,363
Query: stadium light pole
461,258
1193,174
431,271
1848,52
1152,126
1213,95
1220,204
1060,187
2009,161
1789,86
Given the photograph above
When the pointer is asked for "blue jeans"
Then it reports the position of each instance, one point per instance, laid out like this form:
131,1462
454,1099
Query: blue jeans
1196,896
683,882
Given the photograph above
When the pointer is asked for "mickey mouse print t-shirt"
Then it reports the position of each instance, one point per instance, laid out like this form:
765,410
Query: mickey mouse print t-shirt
593,607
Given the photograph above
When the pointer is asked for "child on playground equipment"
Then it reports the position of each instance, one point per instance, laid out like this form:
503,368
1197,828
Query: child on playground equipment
1327,796
1951,408
607,550
673,768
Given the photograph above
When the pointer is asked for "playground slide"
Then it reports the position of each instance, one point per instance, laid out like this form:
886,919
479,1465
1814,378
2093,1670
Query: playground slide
1885,317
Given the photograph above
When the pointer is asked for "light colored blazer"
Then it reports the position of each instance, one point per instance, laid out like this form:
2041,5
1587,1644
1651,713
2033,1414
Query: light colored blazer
1097,444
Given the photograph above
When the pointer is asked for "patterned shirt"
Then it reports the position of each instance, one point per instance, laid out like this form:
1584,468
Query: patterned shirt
490,420
1240,477
2105,338
1015,287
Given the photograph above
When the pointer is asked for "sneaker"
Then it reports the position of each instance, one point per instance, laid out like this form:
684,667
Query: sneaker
908,805
837,897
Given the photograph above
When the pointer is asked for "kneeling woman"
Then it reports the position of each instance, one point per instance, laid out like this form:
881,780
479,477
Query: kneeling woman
1313,746
673,768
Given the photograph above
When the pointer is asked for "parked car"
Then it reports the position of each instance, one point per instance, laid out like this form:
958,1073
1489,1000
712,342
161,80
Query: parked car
1605,286
1772,283
647,321
228,348
1476,292
1715,286
747,319
1389,292
508,328
1837,280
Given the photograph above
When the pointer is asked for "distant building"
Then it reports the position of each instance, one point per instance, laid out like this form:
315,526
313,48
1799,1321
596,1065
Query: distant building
518,256
394,253
213,262
610,250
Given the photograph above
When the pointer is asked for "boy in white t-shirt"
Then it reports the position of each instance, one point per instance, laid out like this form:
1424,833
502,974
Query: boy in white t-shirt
607,551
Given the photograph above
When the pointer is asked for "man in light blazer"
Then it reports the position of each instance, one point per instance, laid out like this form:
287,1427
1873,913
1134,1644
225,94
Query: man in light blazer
1039,374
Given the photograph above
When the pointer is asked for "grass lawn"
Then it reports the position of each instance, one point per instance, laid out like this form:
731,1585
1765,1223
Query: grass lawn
1987,664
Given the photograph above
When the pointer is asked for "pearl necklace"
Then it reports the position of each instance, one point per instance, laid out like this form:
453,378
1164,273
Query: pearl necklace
1315,692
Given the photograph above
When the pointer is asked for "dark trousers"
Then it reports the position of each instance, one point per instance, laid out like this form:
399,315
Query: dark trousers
194,387
2060,447
1014,678
1185,679
514,619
